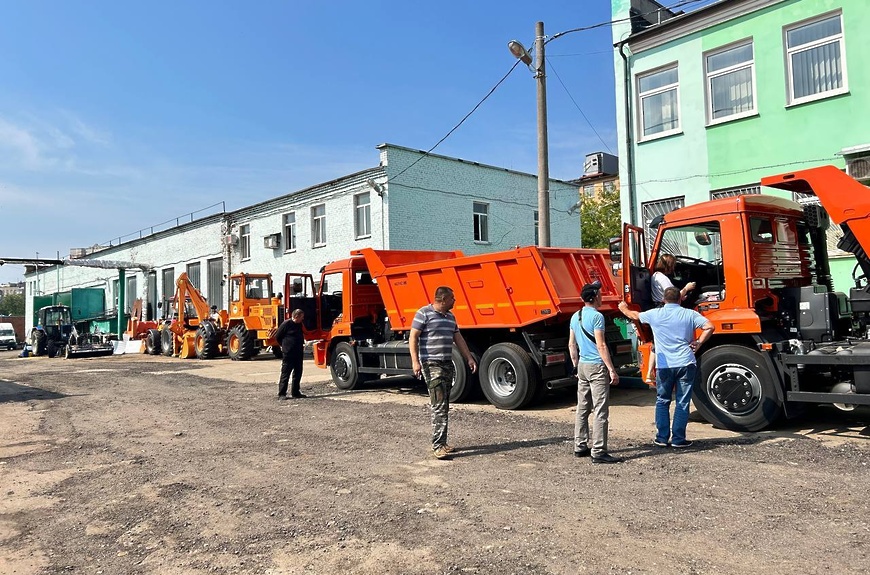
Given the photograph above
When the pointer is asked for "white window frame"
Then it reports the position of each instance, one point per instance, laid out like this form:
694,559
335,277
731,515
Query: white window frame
642,95
288,221
318,226
840,38
589,191
481,222
708,85
362,214
245,241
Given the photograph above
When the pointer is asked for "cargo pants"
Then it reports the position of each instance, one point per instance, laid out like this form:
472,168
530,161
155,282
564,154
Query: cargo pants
438,376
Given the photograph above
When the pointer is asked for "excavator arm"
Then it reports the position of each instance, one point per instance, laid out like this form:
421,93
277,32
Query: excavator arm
184,291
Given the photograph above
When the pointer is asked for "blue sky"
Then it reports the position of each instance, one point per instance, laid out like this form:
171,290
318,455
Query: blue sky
116,116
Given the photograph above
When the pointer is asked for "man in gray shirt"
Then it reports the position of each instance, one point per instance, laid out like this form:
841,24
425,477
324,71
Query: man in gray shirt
433,334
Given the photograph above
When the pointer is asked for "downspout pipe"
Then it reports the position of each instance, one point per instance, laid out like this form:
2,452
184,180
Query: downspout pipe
629,149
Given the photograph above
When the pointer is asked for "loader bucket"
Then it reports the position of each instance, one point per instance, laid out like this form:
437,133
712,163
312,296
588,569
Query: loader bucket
188,345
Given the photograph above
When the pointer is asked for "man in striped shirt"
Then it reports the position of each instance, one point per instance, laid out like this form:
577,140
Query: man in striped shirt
433,334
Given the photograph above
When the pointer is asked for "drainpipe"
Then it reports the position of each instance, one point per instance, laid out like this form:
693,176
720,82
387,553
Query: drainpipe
632,189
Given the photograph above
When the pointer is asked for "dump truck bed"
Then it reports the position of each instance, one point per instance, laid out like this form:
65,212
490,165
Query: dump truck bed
508,289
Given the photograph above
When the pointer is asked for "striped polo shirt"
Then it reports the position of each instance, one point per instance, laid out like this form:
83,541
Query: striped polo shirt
436,333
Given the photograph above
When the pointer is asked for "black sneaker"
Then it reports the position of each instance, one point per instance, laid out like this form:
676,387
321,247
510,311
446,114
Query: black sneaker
584,452
658,443
298,396
605,458
682,445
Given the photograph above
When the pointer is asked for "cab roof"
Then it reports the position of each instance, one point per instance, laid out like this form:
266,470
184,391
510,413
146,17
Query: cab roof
754,203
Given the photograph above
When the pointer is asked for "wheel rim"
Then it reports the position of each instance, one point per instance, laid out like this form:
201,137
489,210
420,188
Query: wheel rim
734,389
199,343
234,343
342,366
502,377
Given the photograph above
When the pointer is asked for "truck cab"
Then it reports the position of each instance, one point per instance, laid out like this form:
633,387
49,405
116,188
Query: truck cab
763,279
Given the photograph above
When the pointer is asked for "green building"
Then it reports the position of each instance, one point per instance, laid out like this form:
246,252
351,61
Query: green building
711,100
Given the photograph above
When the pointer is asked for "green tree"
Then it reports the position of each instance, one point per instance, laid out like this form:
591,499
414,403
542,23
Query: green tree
600,219
12,304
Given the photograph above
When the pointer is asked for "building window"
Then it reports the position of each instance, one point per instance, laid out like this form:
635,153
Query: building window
536,227
749,189
649,212
659,103
290,232
589,191
362,208
245,241
730,83
318,225
816,57
481,225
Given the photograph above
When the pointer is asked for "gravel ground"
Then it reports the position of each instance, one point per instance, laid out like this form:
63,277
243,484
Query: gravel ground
140,465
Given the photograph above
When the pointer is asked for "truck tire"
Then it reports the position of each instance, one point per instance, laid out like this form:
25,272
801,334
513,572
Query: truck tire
167,339
205,342
152,342
736,389
37,342
240,343
51,349
464,382
344,368
507,377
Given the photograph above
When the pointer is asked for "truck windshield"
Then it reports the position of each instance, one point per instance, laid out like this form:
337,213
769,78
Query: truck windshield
701,243
6,332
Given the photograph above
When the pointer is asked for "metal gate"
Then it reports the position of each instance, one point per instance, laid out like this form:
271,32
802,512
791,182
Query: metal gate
650,211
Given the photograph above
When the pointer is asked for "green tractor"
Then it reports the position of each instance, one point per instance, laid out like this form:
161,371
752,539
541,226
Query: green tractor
55,334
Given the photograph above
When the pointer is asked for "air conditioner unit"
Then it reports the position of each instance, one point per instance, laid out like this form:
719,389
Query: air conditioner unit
272,242
859,167
230,240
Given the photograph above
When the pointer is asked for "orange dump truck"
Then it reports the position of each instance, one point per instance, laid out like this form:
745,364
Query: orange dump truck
513,308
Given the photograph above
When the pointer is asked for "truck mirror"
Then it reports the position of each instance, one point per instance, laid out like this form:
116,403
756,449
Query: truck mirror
703,238
616,249
297,285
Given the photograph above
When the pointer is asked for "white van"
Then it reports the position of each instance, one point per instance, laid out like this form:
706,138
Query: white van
7,336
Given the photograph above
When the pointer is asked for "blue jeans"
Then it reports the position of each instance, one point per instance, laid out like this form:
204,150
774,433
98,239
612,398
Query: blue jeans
667,379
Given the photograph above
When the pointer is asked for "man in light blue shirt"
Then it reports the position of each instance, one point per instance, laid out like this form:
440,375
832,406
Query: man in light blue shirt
673,329
595,375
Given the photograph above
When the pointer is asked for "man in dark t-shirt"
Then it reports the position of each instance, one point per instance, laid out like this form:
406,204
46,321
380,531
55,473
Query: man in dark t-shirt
292,340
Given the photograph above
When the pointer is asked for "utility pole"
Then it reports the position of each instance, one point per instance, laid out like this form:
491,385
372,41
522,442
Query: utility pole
543,148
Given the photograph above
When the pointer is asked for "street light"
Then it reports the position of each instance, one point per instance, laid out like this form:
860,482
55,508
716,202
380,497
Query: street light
520,52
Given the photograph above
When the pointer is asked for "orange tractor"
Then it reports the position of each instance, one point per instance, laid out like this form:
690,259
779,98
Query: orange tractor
240,332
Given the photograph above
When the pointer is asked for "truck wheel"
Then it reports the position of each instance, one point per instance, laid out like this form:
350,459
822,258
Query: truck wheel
37,342
343,367
152,342
240,343
205,342
167,338
736,389
51,349
464,382
507,377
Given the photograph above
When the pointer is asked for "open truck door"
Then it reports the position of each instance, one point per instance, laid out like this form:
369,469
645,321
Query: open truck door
630,251
300,293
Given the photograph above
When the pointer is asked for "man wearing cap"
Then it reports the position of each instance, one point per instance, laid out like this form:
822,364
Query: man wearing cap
595,375
673,328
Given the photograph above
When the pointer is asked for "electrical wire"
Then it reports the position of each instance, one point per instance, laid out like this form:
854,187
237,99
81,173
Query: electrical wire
550,39
600,139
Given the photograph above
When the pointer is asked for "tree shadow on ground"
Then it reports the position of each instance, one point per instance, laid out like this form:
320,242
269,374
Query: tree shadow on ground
11,392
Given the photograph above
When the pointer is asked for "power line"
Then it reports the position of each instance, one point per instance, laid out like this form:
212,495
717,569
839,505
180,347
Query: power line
454,128
600,139
493,89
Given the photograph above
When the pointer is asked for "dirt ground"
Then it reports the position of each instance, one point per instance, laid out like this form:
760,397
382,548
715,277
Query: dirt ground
144,465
